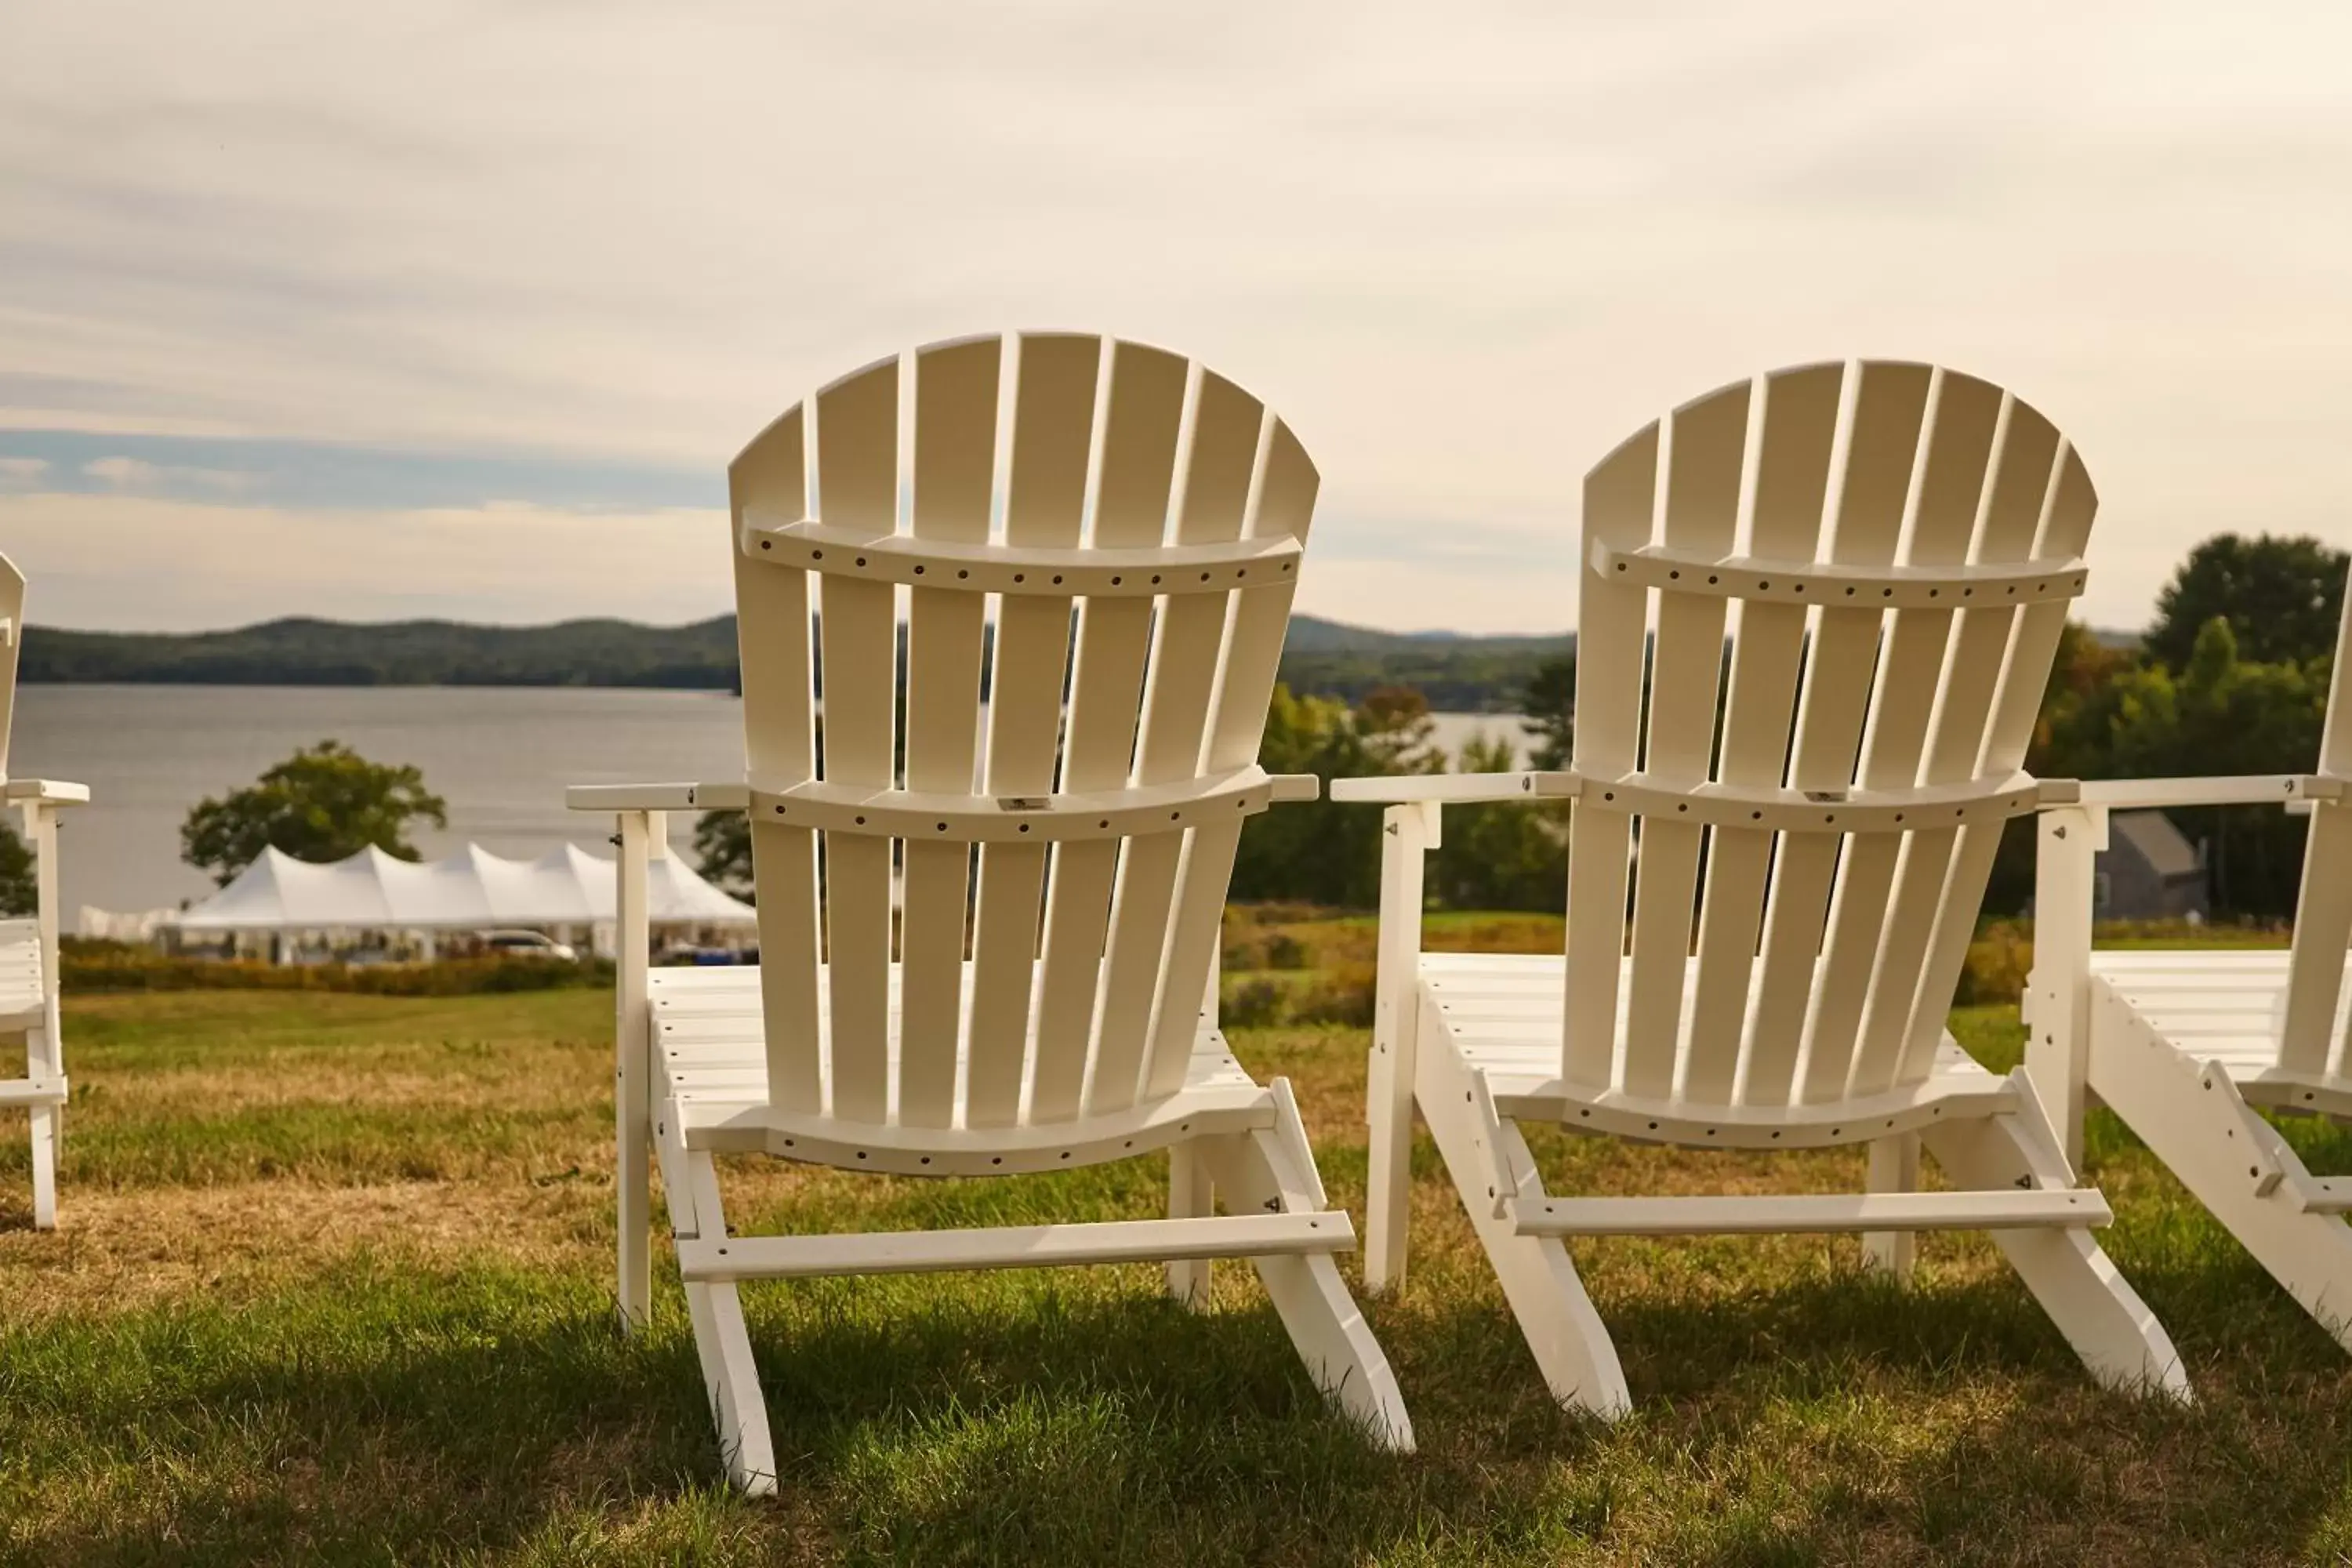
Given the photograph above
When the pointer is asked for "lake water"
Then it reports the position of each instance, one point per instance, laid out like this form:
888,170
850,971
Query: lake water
500,756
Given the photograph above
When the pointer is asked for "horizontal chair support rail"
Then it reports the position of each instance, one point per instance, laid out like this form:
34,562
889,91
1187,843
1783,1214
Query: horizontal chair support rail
1806,1212
1097,573
1733,805
50,791
727,1124
1022,1246
33,1091
1830,582
983,819
2241,789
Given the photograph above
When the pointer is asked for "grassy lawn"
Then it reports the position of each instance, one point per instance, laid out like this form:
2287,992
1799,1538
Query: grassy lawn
332,1277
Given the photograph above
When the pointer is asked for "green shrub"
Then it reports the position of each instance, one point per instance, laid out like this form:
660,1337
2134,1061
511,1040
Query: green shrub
88,967
1251,1005
1344,994
1283,951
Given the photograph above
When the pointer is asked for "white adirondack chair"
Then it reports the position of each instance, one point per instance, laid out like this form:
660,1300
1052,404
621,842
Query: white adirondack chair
1820,833
909,1015
2188,1047
28,948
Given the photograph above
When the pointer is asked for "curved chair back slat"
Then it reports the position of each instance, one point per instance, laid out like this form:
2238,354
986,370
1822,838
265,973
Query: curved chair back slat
1879,527
1092,939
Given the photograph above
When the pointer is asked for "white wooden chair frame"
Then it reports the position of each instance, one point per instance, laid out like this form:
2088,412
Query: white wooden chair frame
28,948
1103,831
2190,1047
1833,850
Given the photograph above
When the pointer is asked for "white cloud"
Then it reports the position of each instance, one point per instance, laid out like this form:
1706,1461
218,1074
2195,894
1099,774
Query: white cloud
22,473
1465,251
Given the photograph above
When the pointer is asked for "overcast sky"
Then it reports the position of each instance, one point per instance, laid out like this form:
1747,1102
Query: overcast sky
460,308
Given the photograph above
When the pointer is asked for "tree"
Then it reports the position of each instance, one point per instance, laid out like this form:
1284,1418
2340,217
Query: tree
1500,855
320,803
722,847
1549,699
19,895
2281,597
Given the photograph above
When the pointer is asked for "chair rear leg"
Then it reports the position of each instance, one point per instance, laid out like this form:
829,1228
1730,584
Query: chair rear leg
1570,1343
1256,1172
1190,1195
1894,1168
2077,1284
722,1339
44,1167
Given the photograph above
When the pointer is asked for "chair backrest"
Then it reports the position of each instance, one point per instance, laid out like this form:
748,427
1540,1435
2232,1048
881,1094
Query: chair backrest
1819,781
2311,1037
1151,514
12,641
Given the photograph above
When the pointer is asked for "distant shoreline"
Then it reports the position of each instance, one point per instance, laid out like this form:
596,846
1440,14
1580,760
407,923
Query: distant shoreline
1324,659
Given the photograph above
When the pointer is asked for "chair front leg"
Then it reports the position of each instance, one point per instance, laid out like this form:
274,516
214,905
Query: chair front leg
2057,1000
632,1069
1407,835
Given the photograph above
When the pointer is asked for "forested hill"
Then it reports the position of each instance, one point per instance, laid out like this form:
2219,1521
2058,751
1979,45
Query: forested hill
1457,673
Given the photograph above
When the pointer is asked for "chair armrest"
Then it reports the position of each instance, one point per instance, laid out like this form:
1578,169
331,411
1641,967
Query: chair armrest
1458,788
50,791
732,796
1295,787
2243,789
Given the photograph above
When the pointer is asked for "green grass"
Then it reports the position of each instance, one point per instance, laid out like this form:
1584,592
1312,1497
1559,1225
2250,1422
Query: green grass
333,1275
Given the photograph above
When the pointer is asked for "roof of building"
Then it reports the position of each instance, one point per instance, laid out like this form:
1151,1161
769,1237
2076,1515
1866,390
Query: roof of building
2152,834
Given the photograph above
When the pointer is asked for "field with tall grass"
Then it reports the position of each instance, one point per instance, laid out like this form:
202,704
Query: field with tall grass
332,1277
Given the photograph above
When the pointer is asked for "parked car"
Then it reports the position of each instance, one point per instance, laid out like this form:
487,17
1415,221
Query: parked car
527,945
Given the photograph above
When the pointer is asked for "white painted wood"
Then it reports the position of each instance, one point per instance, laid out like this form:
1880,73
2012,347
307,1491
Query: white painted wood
1706,442
1080,1027
857,489
1800,1213
1797,414
955,458
28,949
1789,577
2184,1045
1459,788
2057,1041
1190,1195
1831,812
1256,1172
1282,506
1407,834
1209,570
1820,940
33,1091
1571,1346
1013,1246
2111,1328
1052,433
1619,498
1132,495
773,630
632,1075
1902,745
2245,789
1895,1169
1225,425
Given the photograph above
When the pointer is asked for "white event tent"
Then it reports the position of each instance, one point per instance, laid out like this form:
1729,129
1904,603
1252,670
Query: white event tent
471,891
